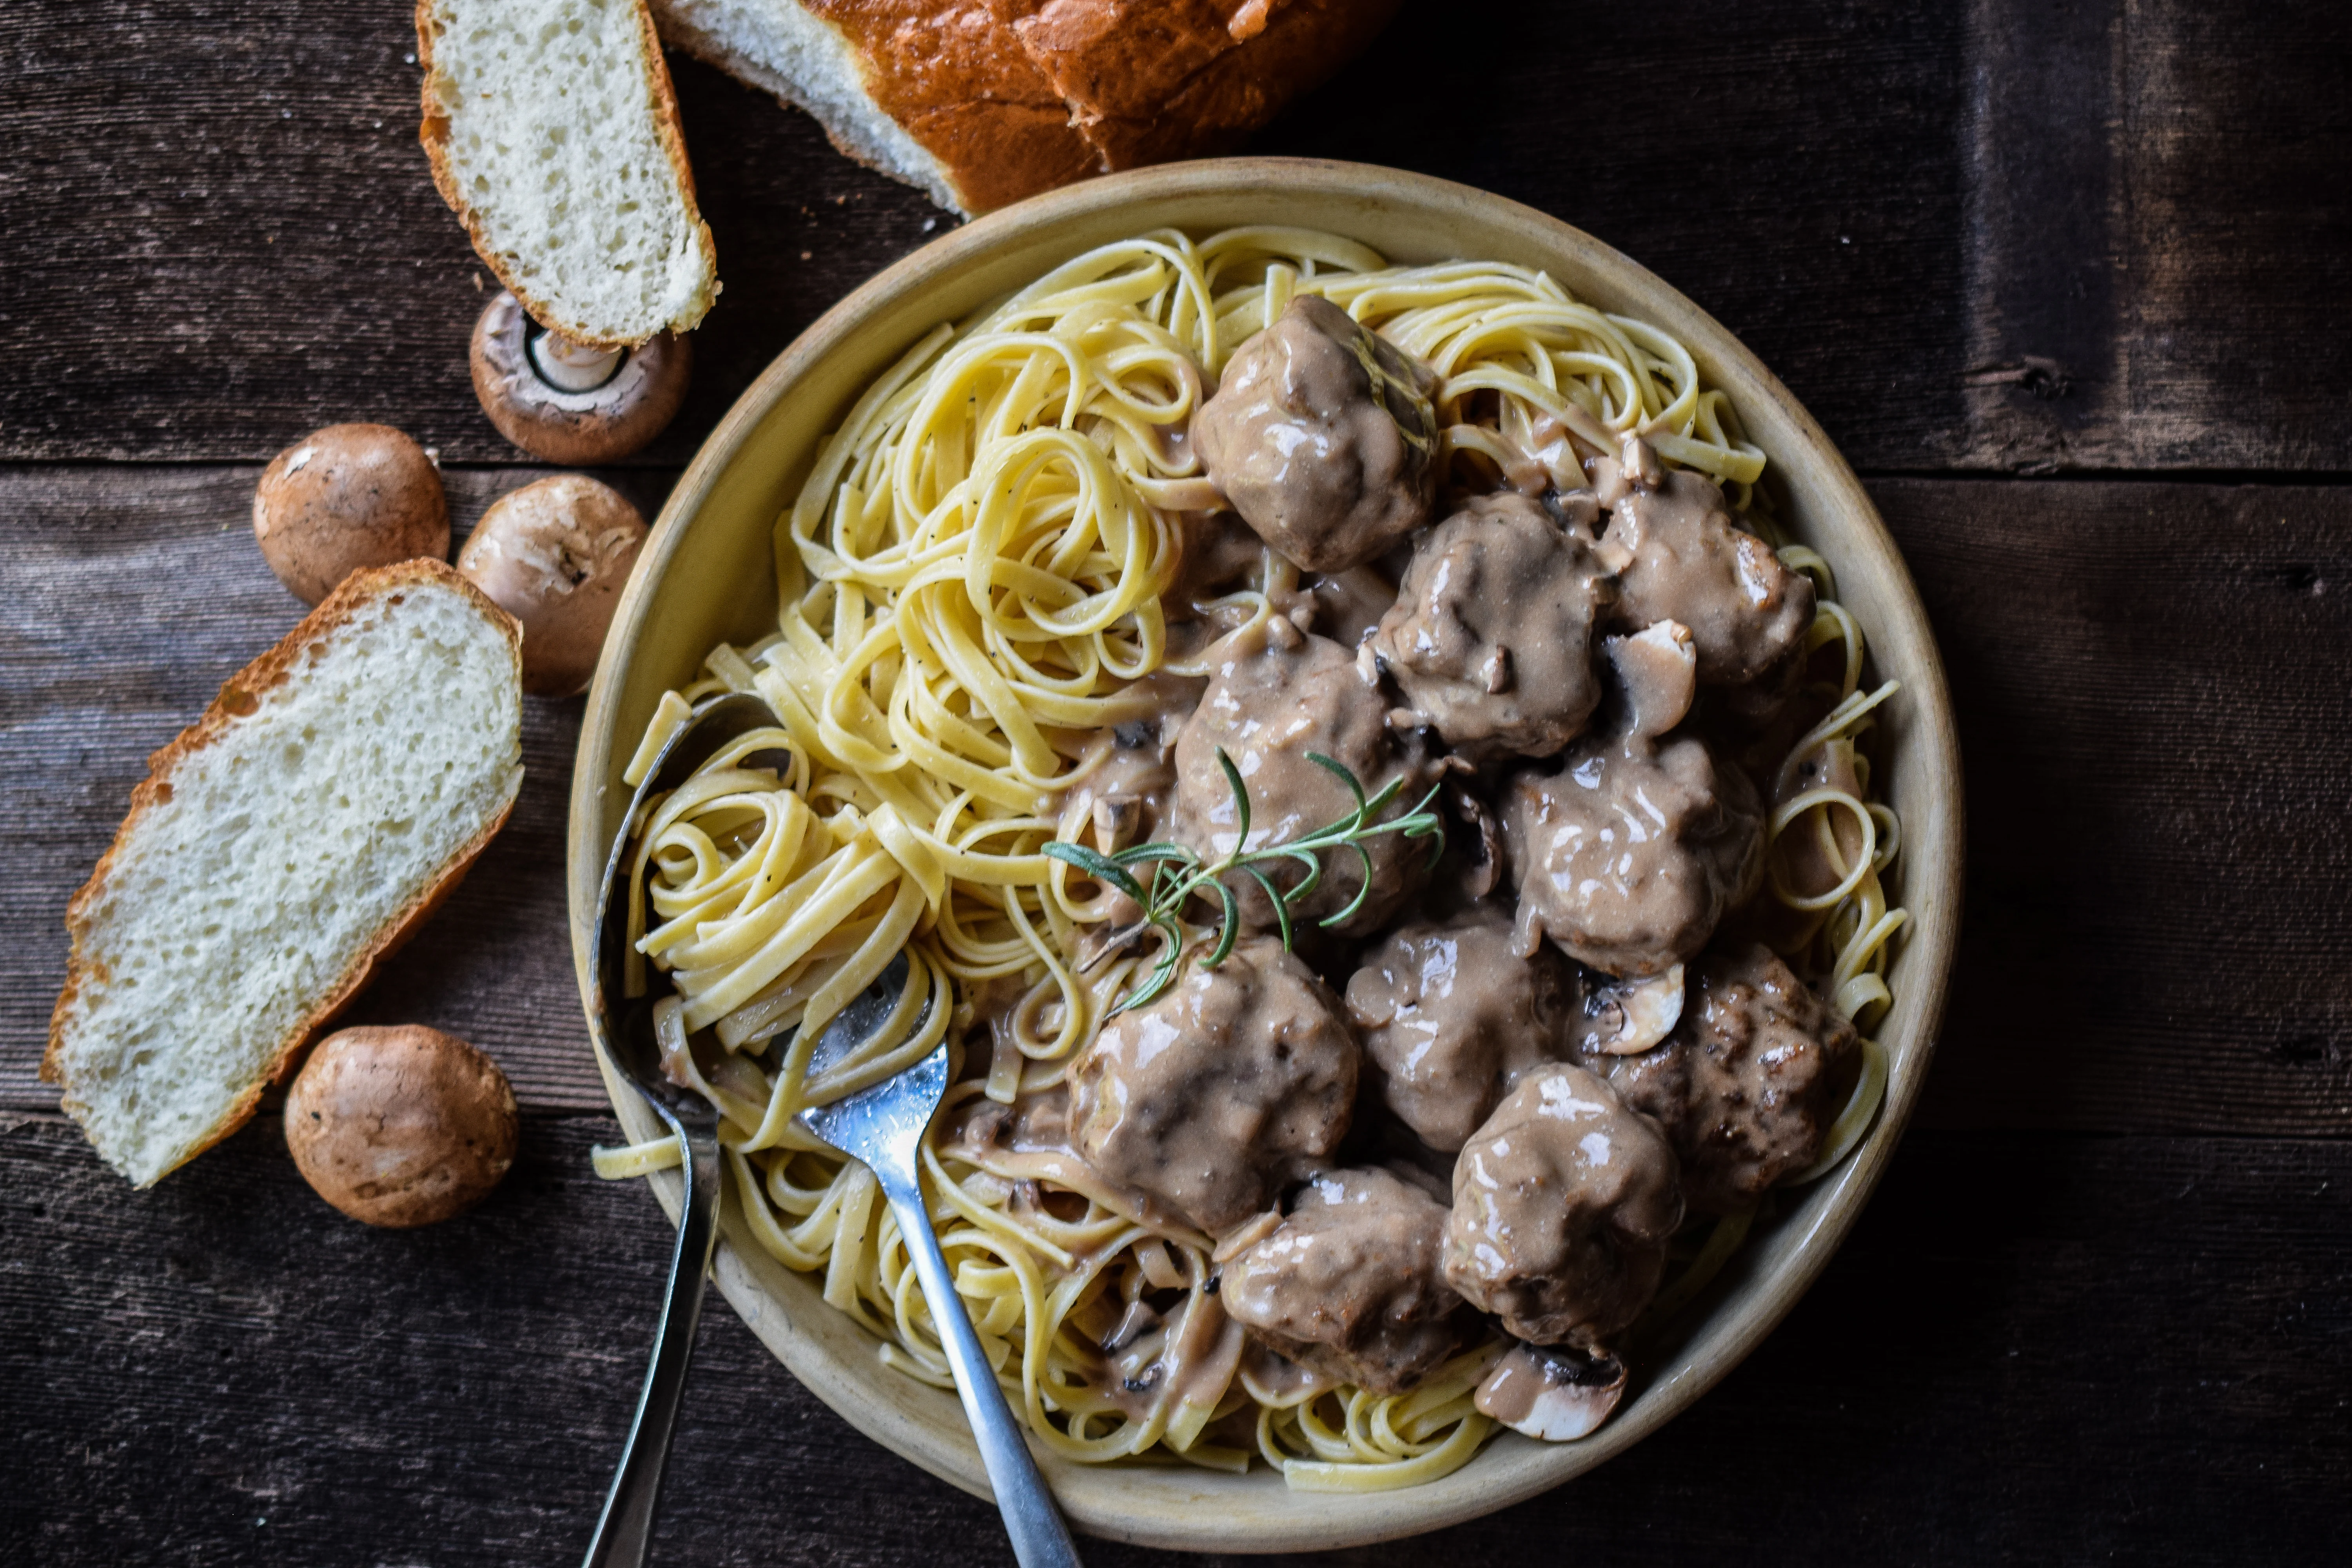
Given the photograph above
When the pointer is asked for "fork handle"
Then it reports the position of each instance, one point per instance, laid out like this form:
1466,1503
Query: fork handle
627,1525
1040,1539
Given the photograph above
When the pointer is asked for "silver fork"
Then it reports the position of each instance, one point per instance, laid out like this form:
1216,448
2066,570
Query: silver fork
881,1126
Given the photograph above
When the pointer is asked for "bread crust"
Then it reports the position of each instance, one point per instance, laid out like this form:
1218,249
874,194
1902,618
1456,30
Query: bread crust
1014,97
432,133
236,699
957,80
1148,81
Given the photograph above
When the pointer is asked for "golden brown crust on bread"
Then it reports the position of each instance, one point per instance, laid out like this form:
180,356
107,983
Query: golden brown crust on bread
236,699
433,132
1014,97
956,80
1152,81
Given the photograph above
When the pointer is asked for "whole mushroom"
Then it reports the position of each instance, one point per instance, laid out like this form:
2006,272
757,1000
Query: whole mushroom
555,555
401,1126
347,498
573,403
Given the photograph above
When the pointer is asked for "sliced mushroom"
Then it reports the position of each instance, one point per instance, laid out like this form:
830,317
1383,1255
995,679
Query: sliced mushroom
569,403
1552,1392
1658,668
1626,1017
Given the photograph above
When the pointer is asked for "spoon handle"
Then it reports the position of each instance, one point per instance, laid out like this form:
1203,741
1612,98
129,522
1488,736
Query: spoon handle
1040,1539
627,1524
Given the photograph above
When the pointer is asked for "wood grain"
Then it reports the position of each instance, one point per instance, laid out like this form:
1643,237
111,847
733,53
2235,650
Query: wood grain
2031,1349
2147,676
222,233
2156,732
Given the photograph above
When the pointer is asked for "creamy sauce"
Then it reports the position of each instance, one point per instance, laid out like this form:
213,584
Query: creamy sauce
1491,638
1451,1014
1322,438
1350,1284
1563,1204
1681,558
1630,853
1227,1087
1275,696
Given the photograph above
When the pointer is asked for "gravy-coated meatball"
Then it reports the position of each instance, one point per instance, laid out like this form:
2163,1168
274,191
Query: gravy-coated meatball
1491,638
1744,1086
1629,855
1353,1283
1451,1016
1278,695
1233,1083
1682,559
1563,1204
1322,437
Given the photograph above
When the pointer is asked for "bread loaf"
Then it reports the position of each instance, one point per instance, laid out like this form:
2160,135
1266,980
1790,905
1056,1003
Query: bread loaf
553,134
982,102
291,837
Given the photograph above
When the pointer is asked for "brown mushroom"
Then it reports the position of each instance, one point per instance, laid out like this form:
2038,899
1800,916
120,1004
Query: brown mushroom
569,403
401,1126
346,498
555,555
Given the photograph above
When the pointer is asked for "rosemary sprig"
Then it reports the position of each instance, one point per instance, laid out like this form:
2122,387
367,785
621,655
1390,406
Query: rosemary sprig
1163,896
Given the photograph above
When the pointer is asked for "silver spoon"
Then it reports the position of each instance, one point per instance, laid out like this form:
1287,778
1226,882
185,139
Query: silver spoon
881,1126
623,1030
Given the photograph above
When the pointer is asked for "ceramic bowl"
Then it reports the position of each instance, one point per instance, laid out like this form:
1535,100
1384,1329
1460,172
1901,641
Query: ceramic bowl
705,575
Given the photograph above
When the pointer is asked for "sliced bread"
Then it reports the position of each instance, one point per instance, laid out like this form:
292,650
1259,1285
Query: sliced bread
982,102
332,795
554,135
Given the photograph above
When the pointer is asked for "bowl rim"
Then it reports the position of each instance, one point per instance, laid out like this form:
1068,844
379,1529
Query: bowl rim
1140,1503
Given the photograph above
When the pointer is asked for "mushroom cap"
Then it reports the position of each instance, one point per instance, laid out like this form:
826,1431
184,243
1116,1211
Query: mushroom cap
555,555
598,425
347,498
401,1126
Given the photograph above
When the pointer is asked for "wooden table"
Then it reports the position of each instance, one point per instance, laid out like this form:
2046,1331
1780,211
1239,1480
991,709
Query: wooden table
2067,280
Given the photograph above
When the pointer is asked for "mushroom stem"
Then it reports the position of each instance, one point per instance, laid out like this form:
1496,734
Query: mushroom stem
567,366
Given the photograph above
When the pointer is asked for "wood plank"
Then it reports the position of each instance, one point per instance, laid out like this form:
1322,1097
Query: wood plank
2031,1349
2147,684
2141,193
2150,227
2157,732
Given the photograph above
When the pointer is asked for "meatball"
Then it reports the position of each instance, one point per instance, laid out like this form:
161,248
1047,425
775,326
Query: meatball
1629,855
1492,638
1563,1204
1233,1083
1351,1285
1451,1016
1278,695
1322,437
1746,1086
1681,558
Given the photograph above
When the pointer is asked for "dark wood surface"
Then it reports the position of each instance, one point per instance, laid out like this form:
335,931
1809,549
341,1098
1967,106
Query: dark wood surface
2067,281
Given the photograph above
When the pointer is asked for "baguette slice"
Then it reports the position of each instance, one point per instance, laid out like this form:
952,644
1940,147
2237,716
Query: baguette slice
982,102
329,799
554,135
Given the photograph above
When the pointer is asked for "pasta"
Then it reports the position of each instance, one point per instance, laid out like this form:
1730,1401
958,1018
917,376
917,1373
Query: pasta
970,583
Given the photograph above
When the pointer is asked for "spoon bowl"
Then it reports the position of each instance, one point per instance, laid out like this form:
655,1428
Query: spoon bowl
622,1028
